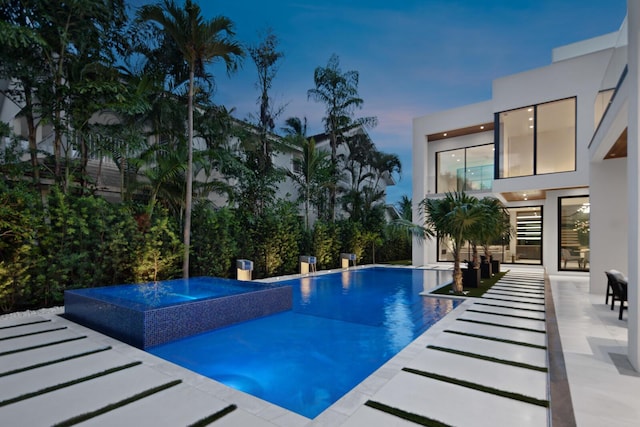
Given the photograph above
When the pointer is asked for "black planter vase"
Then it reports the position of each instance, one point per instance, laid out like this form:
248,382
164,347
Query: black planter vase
470,276
485,268
495,266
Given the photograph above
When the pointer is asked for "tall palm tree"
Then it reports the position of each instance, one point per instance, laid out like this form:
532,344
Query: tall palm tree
312,171
200,41
405,206
338,91
456,216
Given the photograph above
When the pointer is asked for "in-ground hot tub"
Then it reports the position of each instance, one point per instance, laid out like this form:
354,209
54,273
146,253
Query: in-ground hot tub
149,314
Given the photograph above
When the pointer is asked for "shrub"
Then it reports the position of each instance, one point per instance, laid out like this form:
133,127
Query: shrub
326,244
214,246
20,217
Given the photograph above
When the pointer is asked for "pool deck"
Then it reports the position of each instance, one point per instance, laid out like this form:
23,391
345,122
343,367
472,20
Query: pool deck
499,341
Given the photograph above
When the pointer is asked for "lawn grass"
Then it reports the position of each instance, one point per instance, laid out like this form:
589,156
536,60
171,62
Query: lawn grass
84,417
480,387
414,418
214,417
485,285
398,262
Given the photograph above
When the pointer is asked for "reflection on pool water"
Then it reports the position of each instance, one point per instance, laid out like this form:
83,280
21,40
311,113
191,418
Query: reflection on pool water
342,327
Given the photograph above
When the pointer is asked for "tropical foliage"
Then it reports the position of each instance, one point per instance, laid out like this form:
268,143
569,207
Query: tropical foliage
199,42
458,218
131,100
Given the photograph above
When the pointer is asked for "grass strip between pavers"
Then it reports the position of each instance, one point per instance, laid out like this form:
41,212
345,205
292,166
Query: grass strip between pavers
498,287
480,387
35,322
505,314
68,383
44,331
33,347
509,306
415,418
500,325
53,362
488,358
84,417
214,417
515,296
485,285
485,337
512,300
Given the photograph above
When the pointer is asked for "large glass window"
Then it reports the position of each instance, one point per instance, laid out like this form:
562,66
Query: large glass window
525,246
516,142
465,169
556,137
538,139
573,239
448,163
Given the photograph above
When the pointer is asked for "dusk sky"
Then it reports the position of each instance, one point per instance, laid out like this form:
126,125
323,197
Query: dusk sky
414,57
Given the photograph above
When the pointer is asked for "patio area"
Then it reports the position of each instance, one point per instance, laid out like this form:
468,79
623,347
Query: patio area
83,372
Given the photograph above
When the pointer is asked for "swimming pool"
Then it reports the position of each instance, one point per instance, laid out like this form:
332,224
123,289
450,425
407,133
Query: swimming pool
342,327
153,313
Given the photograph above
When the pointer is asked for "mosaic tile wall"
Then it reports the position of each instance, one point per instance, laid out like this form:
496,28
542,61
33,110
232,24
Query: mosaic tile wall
144,329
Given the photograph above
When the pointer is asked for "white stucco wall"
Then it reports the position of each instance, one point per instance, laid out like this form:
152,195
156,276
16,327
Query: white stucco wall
609,221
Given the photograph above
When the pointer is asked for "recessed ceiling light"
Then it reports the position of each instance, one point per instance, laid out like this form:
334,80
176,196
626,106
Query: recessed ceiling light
530,126
481,127
530,109
530,118
444,134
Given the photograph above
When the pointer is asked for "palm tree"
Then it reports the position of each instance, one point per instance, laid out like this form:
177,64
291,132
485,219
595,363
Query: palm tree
312,171
456,216
496,225
405,206
338,91
200,42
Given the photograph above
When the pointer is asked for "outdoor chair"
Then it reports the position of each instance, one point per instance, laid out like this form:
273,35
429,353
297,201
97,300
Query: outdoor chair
612,279
585,261
568,256
618,285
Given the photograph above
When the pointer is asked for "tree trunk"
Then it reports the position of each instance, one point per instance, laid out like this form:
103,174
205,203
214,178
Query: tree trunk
31,129
187,204
457,273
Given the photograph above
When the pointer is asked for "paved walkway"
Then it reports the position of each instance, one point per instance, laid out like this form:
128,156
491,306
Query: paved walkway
484,364
605,389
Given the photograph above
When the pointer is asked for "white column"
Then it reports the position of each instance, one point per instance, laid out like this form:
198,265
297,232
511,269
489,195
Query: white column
633,76
420,182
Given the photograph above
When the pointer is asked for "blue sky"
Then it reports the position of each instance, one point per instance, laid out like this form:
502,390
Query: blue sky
414,57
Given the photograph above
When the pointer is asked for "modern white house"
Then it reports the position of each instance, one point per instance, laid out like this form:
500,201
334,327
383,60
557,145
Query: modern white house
558,145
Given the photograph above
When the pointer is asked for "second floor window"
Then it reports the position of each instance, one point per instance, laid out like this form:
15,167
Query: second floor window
538,139
465,169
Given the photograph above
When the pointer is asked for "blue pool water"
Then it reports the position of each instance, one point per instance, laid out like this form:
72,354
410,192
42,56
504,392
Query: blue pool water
342,327
153,295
